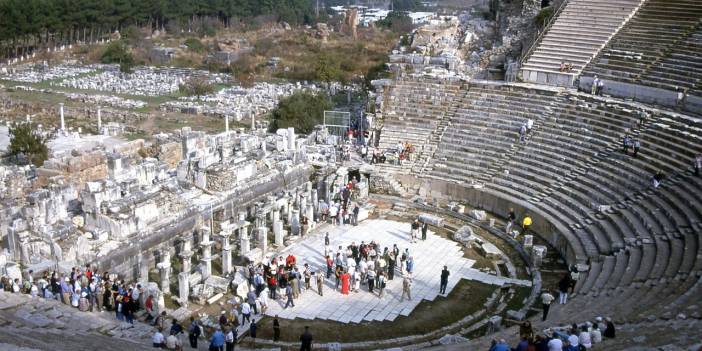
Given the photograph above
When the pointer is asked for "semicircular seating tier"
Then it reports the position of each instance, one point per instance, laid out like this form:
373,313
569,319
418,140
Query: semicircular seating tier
590,201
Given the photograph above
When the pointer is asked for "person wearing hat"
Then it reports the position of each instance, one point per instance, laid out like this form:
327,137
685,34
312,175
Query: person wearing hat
66,290
83,303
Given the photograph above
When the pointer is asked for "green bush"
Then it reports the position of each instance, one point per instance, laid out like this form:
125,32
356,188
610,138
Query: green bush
117,52
302,110
543,16
195,45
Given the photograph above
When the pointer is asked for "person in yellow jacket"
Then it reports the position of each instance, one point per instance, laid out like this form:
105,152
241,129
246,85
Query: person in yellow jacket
526,223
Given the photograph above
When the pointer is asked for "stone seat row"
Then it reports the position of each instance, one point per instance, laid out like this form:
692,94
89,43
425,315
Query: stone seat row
663,40
649,235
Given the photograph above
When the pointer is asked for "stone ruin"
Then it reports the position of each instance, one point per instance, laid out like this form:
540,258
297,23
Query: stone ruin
168,207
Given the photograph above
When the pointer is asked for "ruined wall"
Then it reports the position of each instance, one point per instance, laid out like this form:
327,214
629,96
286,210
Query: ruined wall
76,169
171,154
124,261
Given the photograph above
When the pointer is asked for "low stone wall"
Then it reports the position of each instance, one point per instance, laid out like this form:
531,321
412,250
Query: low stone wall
496,204
645,94
549,78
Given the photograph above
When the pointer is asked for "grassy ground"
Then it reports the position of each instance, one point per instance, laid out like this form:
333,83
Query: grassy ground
466,298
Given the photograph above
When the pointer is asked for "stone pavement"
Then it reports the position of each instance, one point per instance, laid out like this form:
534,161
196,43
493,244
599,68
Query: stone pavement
430,256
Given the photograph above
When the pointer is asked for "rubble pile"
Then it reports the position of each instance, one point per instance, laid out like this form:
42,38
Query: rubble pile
144,81
236,102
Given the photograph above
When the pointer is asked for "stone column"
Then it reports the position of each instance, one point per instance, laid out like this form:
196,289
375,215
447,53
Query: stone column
143,268
263,239
183,288
287,209
165,270
186,254
99,113
63,121
315,201
226,232
310,216
206,259
24,253
291,139
244,240
277,228
295,222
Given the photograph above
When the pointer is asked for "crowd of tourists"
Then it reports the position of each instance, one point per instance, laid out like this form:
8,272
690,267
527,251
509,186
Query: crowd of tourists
577,337
85,290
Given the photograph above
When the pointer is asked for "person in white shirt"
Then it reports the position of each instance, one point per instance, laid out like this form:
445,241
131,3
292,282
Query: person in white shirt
333,212
584,338
173,342
595,335
245,312
573,339
555,344
157,339
546,300
229,339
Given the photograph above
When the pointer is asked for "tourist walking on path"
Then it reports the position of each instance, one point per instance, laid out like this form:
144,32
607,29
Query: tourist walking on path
698,164
371,279
381,284
563,287
306,340
230,338
414,230
444,280
626,143
657,179
276,328
320,283
410,265
193,332
289,294
546,300
637,147
345,283
425,226
245,312
595,84
406,287
252,332
526,223
511,217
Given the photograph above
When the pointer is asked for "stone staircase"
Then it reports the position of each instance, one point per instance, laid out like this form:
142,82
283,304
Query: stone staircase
429,149
581,30
659,47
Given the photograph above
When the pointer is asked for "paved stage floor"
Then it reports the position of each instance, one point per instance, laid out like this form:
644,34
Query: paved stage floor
429,258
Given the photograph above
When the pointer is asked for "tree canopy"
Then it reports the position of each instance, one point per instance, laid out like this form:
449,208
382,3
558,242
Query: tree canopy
26,142
64,21
303,110
117,52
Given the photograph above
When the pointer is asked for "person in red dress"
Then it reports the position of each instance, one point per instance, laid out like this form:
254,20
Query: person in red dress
345,283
